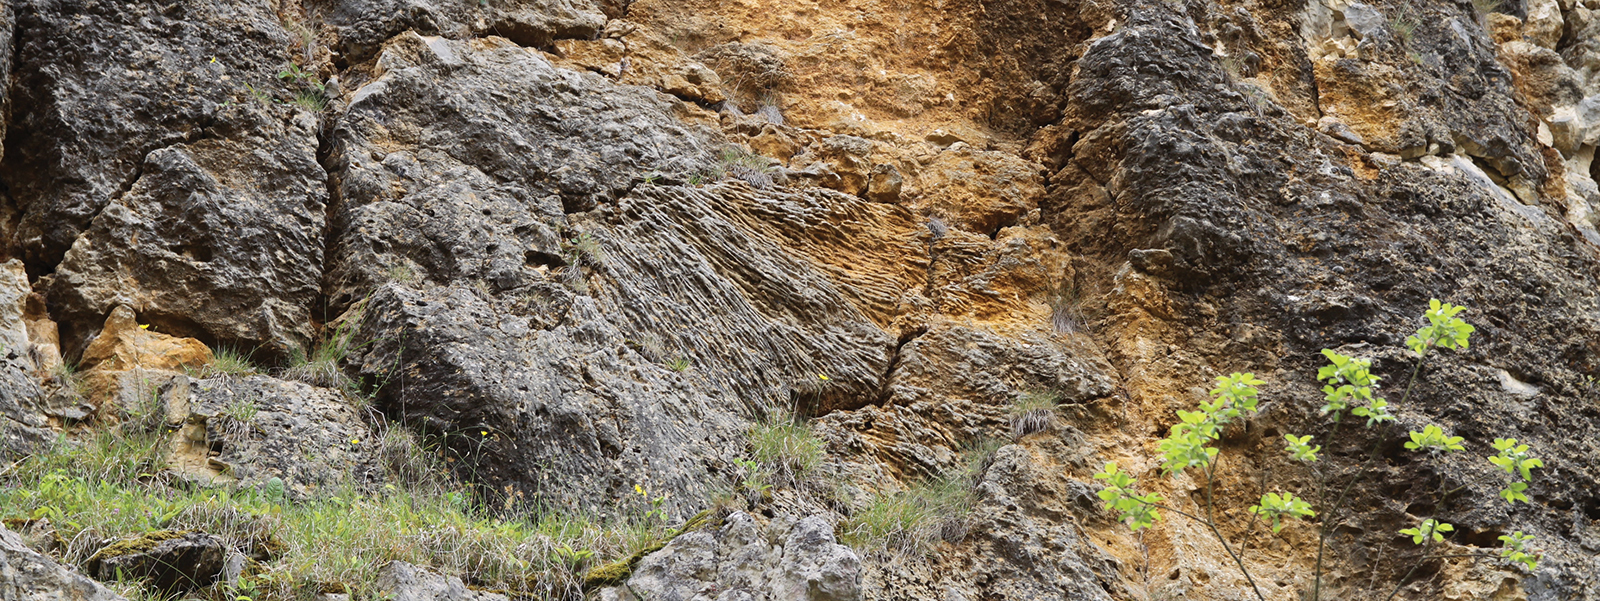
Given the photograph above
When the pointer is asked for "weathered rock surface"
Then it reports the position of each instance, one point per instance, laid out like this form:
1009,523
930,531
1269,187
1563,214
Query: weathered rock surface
405,582
219,239
363,26
26,575
170,561
1108,202
101,85
249,430
459,160
749,560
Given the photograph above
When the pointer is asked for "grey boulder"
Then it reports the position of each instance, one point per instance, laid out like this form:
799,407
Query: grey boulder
739,562
26,575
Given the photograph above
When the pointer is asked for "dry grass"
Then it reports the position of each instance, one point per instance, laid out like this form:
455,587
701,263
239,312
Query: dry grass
1033,412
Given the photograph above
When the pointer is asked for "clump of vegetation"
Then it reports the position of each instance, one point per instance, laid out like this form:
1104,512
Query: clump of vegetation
787,447
1404,25
678,364
751,168
111,486
1350,389
580,250
401,273
324,367
1069,303
908,522
309,91
1485,7
225,361
1033,412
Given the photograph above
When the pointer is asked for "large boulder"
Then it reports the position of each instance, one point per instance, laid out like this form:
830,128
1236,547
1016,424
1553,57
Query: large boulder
26,575
459,161
251,430
220,238
102,84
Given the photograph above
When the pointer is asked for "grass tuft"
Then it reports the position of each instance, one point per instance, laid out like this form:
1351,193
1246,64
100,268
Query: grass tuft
909,522
325,366
1033,412
786,447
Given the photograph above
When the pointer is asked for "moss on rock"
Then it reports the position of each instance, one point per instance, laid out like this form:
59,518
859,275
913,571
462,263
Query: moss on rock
137,544
614,573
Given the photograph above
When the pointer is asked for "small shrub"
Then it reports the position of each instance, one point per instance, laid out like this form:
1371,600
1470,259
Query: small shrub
1033,412
678,364
1485,7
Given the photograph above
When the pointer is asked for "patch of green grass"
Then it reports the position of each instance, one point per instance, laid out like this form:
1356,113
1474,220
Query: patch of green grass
787,447
909,522
402,273
225,361
1404,27
110,487
678,364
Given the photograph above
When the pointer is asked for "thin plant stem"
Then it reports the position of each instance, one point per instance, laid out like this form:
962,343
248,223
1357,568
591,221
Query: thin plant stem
1211,521
1329,522
1426,544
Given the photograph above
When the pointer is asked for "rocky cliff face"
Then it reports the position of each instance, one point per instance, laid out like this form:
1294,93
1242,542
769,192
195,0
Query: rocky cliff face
581,247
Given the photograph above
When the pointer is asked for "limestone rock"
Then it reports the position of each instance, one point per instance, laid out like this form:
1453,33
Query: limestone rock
250,430
363,26
127,360
101,85
26,575
171,561
24,421
219,239
1543,25
482,194
402,581
979,191
740,558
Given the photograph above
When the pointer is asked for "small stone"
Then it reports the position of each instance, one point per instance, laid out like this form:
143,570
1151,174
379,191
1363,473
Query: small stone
884,184
1154,261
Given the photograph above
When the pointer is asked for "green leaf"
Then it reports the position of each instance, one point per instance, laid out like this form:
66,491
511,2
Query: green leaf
1275,507
1300,448
1429,527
